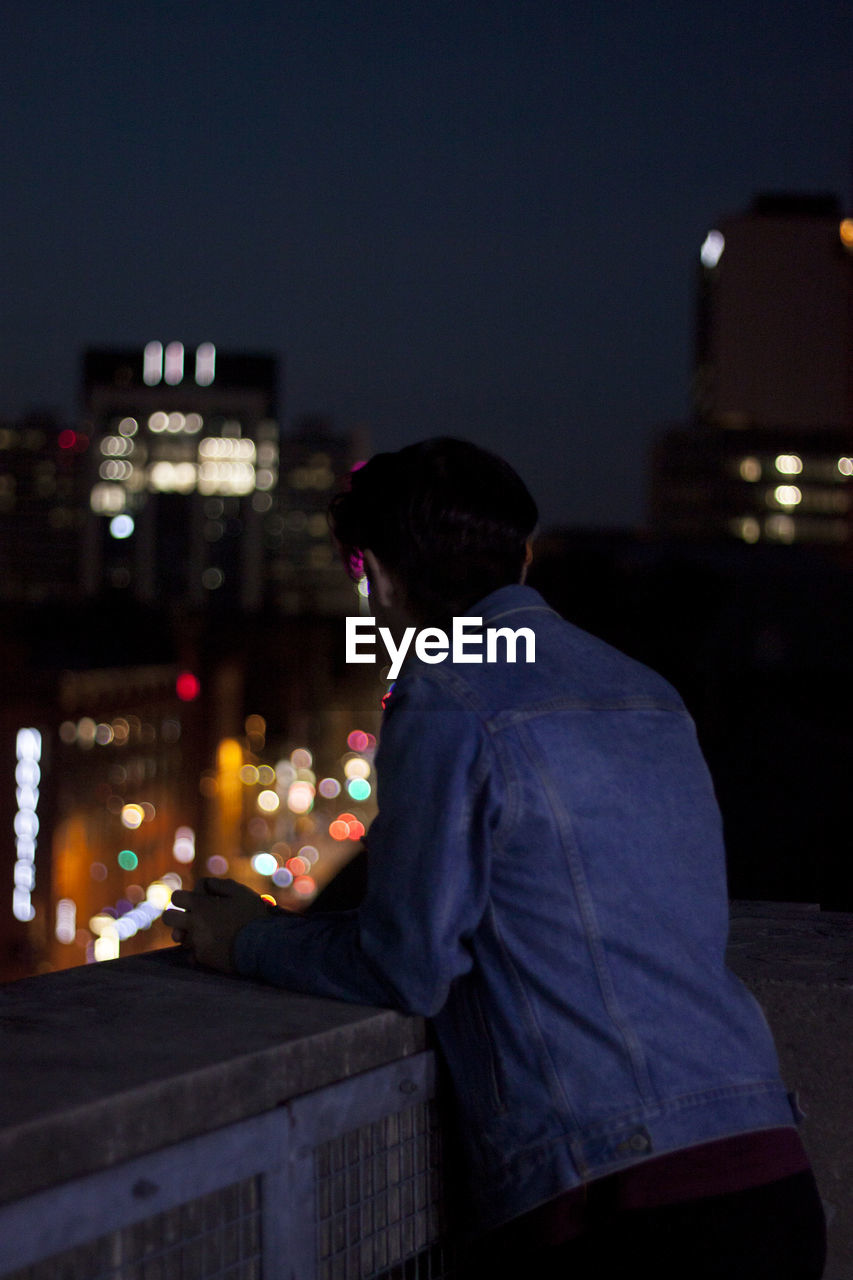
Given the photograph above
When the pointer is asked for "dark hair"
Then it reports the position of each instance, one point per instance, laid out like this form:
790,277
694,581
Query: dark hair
447,518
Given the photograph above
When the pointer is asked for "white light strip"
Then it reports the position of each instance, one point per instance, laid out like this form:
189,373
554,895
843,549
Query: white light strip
174,364
152,370
28,751
205,364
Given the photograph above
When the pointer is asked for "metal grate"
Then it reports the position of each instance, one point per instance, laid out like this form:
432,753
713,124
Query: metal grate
344,1183
217,1236
378,1200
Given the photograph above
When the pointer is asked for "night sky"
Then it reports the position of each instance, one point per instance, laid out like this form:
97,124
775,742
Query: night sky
464,218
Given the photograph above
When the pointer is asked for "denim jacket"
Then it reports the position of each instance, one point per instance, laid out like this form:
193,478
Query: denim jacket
547,883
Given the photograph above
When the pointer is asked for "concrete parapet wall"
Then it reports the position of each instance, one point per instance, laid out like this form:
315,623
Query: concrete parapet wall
798,962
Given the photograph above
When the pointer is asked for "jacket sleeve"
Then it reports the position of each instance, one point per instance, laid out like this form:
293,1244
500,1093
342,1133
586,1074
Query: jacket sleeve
428,871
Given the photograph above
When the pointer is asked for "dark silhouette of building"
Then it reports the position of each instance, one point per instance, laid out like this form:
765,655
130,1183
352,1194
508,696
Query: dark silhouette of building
43,493
769,453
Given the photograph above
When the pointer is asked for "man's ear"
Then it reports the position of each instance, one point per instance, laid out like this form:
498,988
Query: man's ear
380,581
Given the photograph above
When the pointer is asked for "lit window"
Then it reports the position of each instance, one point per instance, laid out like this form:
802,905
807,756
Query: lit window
748,528
107,499
152,368
173,363
787,495
781,528
205,364
845,466
750,469
789,464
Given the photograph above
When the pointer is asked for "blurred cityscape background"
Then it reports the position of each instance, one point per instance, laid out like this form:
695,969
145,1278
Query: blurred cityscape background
175,699
244,248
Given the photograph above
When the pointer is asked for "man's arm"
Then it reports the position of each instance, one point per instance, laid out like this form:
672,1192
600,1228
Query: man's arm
427,878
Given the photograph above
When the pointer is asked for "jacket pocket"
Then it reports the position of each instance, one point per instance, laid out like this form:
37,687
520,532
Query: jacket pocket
483,1067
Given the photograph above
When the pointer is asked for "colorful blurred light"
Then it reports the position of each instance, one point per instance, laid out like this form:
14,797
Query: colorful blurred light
300,797
187,686
265,864
132,816
184,846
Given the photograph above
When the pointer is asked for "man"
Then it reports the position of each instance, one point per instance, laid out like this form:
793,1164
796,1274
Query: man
546,881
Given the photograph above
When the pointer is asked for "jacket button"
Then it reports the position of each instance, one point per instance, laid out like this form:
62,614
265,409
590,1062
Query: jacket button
640,1142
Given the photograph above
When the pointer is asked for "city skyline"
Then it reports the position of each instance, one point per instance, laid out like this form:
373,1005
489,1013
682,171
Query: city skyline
478,221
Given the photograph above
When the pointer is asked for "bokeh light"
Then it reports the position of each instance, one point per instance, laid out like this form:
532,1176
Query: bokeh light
300,797
187,686
265,864
359,788
132,816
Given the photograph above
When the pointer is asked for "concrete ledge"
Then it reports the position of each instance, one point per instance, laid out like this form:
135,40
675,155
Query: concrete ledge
106,1062
798,963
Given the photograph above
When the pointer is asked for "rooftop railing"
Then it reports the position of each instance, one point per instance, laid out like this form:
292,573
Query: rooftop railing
160,1121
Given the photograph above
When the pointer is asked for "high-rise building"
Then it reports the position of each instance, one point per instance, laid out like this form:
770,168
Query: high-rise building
304,575
185,457
43,469
769,454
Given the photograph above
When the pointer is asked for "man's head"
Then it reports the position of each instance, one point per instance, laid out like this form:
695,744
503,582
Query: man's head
447,520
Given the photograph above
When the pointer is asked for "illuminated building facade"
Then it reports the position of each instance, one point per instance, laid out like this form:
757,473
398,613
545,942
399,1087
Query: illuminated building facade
304,574
43,498
184,463
769,456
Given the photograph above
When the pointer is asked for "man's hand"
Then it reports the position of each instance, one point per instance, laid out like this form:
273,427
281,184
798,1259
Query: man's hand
213,913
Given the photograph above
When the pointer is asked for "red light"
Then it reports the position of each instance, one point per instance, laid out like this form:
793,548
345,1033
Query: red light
187,686
67,439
